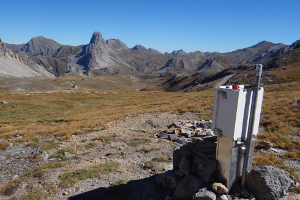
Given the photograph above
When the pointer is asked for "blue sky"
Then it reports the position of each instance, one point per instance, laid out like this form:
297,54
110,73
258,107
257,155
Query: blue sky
191,25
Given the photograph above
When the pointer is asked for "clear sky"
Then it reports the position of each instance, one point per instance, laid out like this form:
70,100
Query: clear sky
164,25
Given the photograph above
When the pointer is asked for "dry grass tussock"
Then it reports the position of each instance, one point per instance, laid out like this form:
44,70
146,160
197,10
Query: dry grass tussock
280,119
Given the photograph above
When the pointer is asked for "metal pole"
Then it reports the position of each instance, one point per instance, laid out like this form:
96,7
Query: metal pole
251,123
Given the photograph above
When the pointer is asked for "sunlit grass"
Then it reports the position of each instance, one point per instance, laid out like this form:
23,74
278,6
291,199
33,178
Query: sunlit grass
274,160
62,114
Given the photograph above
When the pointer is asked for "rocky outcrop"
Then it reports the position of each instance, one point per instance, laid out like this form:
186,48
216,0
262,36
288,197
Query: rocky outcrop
179,52
114,57
210,64
14,47
95,55
12,65
176,64
272,52
115,44
295,45
5,52
41,46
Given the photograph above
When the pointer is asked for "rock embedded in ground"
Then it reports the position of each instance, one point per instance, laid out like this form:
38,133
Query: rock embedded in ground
43,153
168,179
187,187
268,182
204,194
297,101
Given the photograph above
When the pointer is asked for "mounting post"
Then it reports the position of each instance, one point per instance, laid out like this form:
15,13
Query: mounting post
249,141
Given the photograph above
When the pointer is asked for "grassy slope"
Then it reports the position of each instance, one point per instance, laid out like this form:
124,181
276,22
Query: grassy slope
67,112
61,113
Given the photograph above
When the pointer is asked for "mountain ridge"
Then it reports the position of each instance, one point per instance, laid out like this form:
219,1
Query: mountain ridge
14,65
112,56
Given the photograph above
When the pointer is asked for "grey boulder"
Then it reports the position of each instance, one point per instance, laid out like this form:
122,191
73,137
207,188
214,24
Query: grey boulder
268,182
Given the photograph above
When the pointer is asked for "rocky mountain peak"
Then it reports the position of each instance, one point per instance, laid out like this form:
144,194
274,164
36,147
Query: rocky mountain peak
5,52
97,38
263,44
11,64
154,51
210,64
296,44
139,48
116,44
178,52
41,46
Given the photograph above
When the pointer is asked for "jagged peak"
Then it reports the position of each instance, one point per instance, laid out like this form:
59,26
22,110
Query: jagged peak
179,52
116,44
262,43
39,37
210,64
42,39
295,44
154,51
97,37
139,47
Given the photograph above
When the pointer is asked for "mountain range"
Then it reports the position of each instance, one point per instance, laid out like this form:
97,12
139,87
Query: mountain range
45,57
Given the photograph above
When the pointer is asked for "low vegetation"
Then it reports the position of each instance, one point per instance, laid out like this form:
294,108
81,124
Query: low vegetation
9,188
46,119
104,139
138,142
90,145
274,160
60,153
150,164
71,178
74,112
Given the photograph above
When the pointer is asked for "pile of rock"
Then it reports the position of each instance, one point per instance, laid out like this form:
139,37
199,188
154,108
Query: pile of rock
194,169
184,131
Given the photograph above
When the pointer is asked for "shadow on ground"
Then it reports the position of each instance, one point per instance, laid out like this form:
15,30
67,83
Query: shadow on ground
134,190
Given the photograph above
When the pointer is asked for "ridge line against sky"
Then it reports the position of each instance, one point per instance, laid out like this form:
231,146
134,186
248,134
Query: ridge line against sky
191,25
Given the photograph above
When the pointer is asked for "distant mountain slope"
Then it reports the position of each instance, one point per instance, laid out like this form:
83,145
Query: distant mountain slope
54,57
289,60
210,64
41,46
14,47
12,65
112,56
95,55
176,64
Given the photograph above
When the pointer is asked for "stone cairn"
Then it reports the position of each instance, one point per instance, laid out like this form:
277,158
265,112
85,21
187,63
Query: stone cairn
194,165
194,162
185,131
